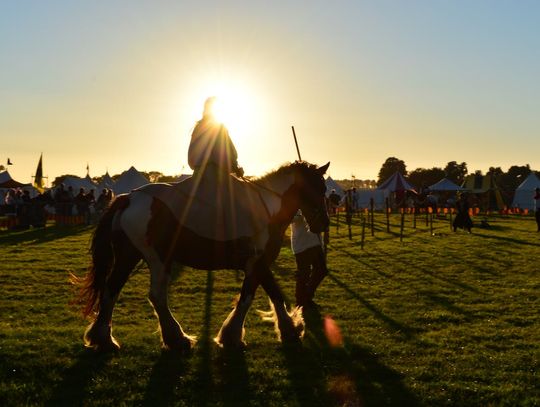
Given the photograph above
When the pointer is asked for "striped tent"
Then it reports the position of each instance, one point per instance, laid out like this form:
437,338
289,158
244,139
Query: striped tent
396,183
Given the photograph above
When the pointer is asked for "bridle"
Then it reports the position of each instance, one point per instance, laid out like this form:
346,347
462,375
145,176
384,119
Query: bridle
317,213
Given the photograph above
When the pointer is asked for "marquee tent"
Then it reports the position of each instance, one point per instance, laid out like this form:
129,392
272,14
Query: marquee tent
486,189
523,197
396,182
77,183
106,182
379,196
128,181
445,185
7,183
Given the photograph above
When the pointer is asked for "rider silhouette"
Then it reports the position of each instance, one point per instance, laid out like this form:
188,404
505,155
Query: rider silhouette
211,148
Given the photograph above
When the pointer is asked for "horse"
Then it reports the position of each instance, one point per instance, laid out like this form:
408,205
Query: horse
137,226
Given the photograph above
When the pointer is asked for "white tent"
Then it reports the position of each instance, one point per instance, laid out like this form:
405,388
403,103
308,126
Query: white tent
331,184
77,183
106,182
524,195
9,183
128,181
379,196
445,185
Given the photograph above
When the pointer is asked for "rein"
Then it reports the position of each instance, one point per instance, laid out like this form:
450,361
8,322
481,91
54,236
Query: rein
256,184
258,187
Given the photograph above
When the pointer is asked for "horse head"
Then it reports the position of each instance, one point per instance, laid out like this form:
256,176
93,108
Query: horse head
311,195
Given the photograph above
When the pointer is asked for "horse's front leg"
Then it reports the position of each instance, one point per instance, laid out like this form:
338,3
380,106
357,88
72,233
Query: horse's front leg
172,335
289,326
232,331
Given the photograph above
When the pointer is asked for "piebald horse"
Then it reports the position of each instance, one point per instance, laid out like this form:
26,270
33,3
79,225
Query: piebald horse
137,226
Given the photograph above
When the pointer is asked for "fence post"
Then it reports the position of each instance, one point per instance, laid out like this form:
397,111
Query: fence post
387,215
372,207
363,231
402,224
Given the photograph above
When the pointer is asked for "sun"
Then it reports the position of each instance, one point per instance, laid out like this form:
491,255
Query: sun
235,106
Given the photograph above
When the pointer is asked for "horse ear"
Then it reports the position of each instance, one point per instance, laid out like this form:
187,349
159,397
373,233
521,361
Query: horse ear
322,170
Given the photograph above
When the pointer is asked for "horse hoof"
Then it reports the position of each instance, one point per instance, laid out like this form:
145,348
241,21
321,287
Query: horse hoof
182,345
230,345
104,347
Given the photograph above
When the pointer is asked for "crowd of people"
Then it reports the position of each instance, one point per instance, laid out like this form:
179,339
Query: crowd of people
84,203
32,211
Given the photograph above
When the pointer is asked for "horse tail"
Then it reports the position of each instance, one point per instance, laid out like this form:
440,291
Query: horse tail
93,284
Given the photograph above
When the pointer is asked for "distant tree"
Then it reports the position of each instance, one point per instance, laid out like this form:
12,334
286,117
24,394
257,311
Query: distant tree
168,178
2,168
58,180
153,176
423,178
389,167
495,171
511,179
456,172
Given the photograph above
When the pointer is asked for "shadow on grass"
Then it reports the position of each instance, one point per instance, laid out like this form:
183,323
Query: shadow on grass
399,265
75,379
41,235
164,379
234,388
404,330
507,239
203,377
348,375
357,258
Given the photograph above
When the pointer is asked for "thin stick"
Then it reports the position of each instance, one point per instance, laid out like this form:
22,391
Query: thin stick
372,208
296,143
387,205
363,231
402,224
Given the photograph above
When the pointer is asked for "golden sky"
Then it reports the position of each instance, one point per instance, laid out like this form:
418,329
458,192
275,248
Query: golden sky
115,84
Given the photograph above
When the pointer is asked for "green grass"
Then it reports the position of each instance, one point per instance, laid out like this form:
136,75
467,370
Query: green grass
442,319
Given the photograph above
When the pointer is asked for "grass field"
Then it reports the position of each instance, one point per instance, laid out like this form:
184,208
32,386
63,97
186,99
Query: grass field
442,319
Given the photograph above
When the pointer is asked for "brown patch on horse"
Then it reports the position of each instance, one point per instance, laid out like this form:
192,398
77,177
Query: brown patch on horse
175,243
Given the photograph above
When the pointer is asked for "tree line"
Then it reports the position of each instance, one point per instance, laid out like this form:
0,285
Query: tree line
456,172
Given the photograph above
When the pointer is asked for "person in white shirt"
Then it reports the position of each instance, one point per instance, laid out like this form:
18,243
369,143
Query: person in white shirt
310,260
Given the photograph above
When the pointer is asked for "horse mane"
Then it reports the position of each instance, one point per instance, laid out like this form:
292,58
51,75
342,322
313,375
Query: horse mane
285,169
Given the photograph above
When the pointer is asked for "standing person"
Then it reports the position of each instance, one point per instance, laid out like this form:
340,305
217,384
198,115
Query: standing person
102,202
462,219
211,148
81,203
537,208
310,260
334,199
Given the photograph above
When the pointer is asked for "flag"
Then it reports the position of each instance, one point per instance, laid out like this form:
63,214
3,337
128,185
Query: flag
38,179
9,162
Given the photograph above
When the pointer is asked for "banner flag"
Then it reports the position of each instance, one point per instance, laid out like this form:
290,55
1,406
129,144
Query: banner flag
38,179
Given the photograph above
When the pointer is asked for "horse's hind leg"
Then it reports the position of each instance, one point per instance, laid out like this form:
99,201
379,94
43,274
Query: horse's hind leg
172,335
99,334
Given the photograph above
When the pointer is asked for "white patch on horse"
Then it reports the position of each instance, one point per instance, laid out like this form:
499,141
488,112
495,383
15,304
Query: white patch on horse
276,187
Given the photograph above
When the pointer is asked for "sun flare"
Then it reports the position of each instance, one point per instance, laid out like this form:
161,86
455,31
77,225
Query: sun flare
235,106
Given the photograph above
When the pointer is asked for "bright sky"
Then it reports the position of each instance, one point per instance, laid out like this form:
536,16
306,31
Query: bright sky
121,83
